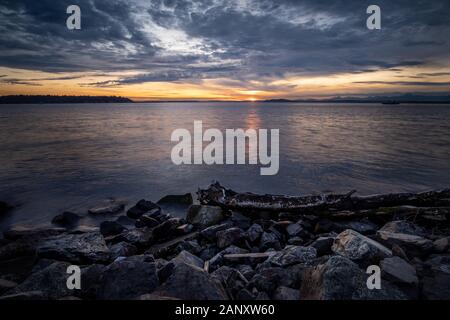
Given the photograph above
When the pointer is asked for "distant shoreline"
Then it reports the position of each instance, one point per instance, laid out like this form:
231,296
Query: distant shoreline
49,99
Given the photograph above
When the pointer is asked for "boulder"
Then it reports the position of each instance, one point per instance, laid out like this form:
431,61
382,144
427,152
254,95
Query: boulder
204,216
228,237
146,221
128,278
110,228
191,283
254,232
210,233
66,219
122,249
341,279
76,248
141,237
415,246
323,245
399,271
110,206
296,230
359,248
231,279
143,206
50,281
405,227
286,293
267,279
166,229
269,240
291,255
185,199
441,245
240,220
188,258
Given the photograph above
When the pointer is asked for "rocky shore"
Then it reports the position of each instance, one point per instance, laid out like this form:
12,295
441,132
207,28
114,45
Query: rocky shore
238,246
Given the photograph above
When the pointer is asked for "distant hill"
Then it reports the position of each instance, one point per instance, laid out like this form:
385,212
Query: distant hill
25,99
405,98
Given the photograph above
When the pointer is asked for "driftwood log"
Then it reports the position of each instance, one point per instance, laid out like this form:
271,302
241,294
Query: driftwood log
217,195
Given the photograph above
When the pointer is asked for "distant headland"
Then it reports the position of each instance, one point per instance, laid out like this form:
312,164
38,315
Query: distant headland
61,99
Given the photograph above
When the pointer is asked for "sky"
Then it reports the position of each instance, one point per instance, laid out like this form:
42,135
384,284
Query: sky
224,49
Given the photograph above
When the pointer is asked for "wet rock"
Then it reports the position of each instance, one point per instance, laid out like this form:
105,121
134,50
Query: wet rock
165,271
6,285
146,221
296,241
269,240
441,245
125,221
208,253
228,237
364,227
436,284
399,271
176,199
246,270
110,228
30,295
268,279
166,229
296,230
291,255
188,258
66,219
76,248
231,279
210,233
341,279
323,245
51,281
254,232
285,293
169,247
4,207
245,295
16,249
17,268
359,248
141,237
128,278
185,228
240,220
122,249
110,206
412,244
19,232
143,206
204,216
191,283
218,258
405,227
248,258
323,226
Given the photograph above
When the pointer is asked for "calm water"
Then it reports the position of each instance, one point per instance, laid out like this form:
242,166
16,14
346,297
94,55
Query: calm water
67,157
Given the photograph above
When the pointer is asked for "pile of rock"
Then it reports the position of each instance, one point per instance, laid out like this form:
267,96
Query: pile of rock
215,253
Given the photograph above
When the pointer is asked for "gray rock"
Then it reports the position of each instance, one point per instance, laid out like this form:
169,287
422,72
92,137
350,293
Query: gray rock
269,240
110,206
441,245
246,270
415,246
285,293
188,258
50,281
323,245
204,216
125,221
405,227
128,278
296,230
359,248
146,221
141,237
363,227
341,279
167,229
291,255
210,233
436,284
6,285
143,206
240,220
254,233
19,232
397,270
122,249
228,237
110,228
30,295
245,295
191,283
176,199
76,248
268,279
218,258
231,279
66,219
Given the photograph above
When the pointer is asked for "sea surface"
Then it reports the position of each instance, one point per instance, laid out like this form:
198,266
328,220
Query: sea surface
55,158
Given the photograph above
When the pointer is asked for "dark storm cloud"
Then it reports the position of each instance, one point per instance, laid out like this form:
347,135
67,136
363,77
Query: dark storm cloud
173,40
407,83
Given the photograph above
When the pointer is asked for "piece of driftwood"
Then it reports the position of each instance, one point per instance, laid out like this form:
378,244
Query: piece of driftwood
217,195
